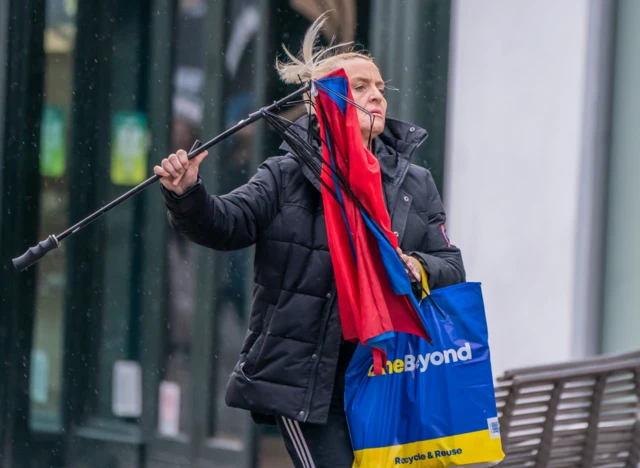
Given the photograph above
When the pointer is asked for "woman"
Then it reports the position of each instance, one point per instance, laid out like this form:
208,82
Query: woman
293,361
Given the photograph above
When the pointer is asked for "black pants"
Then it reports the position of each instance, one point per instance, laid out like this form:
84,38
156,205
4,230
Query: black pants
322,445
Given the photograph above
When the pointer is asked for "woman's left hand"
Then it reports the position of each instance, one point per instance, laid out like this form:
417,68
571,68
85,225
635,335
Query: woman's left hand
414,271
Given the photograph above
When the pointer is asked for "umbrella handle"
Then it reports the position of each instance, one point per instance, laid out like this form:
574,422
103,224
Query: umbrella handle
33,254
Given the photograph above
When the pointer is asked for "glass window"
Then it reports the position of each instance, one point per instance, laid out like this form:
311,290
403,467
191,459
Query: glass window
47,354
622,264
177,368
236,162
118,373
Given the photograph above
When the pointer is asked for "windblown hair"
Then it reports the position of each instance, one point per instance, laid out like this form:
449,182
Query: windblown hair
314,62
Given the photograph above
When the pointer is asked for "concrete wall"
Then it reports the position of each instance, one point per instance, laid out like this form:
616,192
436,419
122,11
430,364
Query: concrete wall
512,176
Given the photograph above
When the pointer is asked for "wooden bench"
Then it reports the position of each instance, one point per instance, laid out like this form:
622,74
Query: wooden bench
576,414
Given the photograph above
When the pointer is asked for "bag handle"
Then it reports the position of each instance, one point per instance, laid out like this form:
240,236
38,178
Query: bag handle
426,291
424,280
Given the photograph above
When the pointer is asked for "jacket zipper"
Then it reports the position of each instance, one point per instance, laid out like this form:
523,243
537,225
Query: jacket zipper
398,182
406,169
318,352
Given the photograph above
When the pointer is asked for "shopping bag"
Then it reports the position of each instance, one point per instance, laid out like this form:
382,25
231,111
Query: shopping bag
434,405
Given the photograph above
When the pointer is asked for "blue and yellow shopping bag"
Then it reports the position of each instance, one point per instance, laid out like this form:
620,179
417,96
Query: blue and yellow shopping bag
434,405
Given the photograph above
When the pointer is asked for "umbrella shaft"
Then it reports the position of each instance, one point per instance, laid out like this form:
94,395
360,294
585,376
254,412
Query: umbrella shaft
125,196
192,154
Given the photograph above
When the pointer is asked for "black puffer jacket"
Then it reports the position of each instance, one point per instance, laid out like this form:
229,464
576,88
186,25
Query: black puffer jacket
288,360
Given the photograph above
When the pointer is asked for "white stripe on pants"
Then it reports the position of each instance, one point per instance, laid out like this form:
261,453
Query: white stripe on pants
295,434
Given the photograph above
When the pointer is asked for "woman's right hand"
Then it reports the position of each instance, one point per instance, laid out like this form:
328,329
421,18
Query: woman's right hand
178,173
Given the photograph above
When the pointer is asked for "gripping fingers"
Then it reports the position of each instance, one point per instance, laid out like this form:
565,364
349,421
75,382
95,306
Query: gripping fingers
177,164
180,162
168,167
413,268
183,158
157,170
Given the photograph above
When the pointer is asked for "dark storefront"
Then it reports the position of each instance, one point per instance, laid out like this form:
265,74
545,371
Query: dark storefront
116,348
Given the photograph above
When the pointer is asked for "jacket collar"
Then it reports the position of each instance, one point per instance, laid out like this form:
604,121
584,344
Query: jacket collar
398,138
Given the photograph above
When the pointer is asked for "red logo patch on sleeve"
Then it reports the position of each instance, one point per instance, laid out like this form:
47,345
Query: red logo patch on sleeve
443,230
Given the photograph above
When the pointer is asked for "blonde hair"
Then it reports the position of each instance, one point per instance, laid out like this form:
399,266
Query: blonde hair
314,62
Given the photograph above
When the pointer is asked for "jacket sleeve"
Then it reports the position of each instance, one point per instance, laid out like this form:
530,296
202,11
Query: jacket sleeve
441,260
232,221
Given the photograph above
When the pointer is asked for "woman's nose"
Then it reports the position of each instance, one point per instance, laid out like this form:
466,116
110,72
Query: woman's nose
376,96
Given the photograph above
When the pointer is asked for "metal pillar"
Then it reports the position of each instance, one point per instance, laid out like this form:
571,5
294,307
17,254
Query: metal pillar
410,42
19,190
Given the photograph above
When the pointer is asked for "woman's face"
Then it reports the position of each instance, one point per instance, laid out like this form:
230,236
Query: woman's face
367,89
